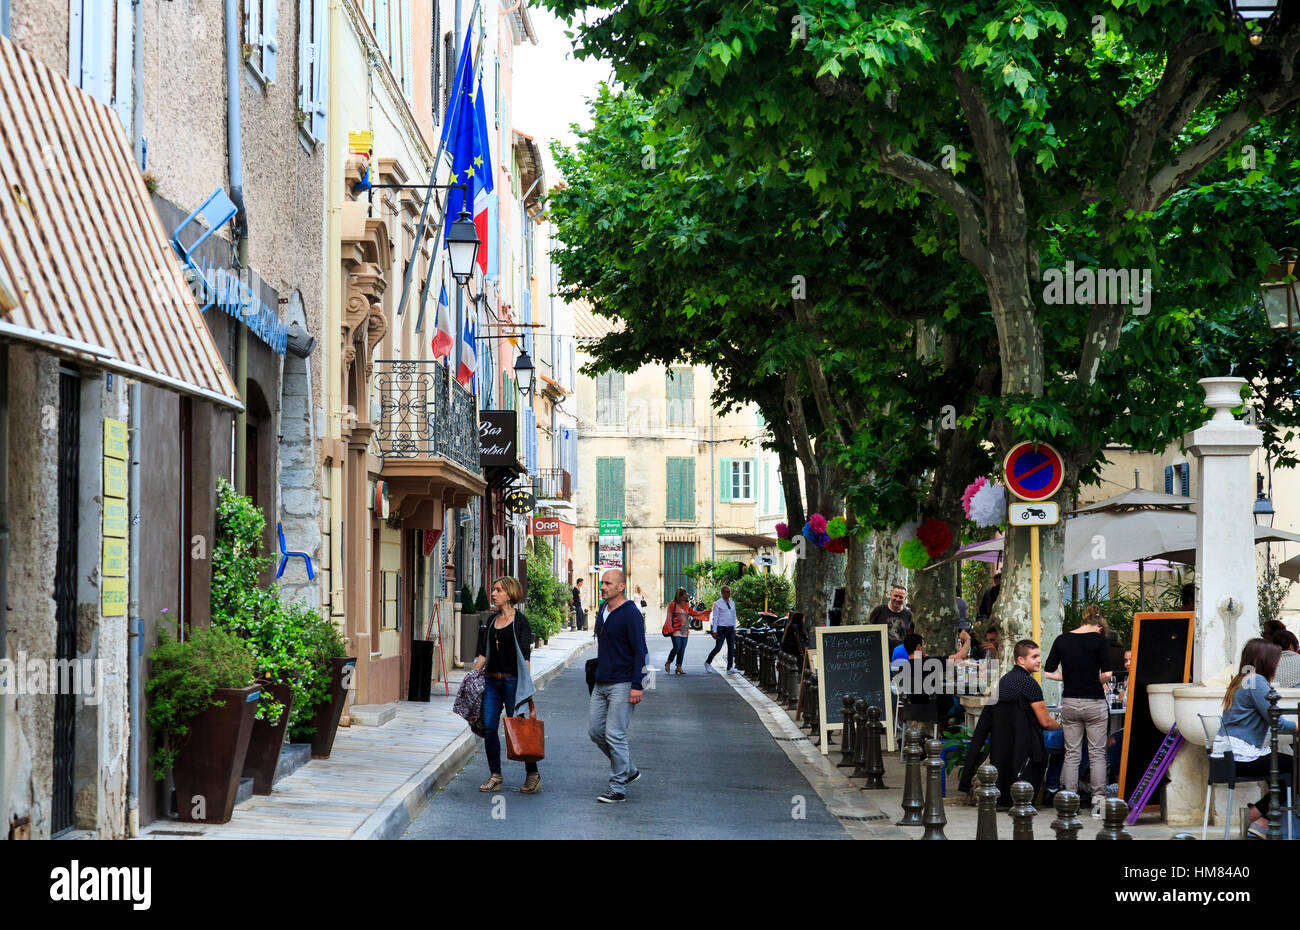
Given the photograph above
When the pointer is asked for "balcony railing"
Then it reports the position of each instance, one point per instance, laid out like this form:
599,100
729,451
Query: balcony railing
553,484
419,418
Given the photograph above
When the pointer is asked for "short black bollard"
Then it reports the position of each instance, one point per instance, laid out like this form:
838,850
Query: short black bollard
986,799
1112,820
1067,824
875,753
934,818
846,735
859,739
913,783
1022,811
780,675
814,702
792,692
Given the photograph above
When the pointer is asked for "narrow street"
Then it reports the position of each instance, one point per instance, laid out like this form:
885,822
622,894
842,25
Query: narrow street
710,771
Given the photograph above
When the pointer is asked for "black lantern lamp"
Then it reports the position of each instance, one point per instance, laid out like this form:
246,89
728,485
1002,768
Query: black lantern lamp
524,373
1256,17
1281,292
1263,508
463,245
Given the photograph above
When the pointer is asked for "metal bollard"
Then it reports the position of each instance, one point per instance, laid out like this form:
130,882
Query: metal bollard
792,692
986,799
846,735
913,790
875,752
859,739
934,818
1022,811
1067,824
1112,820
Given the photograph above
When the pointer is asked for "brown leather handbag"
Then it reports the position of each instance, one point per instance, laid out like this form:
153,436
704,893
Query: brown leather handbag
526,737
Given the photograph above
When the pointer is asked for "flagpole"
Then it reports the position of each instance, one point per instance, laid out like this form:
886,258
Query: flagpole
424,211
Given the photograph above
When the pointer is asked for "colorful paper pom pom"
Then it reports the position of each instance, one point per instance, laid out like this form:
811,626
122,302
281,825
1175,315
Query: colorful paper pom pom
784,545
970,492
783,531
905,532
821,539
837,527
809,533
818,523
988,507
838,545
936,535
912,554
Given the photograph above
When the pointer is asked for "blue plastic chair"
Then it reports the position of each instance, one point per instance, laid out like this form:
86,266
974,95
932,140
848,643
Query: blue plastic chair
284,556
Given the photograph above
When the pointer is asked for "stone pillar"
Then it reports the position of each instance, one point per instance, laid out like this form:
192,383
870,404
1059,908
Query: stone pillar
1227,611
300,498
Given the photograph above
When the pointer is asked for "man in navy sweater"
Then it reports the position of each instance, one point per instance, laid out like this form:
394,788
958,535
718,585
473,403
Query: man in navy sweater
620,665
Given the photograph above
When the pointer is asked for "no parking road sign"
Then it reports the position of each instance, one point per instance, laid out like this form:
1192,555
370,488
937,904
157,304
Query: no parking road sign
1033,471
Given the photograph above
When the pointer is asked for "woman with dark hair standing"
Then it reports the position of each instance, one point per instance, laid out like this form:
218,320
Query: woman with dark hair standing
504,646
679,621
1245,727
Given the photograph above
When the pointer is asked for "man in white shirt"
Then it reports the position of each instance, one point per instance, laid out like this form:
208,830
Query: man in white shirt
724,628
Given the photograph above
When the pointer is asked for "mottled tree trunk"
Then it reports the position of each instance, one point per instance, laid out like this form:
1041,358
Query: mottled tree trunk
857,576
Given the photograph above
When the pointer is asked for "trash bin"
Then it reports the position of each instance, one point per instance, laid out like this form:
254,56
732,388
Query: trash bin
421,670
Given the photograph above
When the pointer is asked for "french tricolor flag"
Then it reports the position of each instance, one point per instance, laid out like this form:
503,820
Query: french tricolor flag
468,355
442,338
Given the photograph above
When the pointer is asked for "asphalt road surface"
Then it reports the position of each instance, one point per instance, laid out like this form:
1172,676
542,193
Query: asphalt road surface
710,770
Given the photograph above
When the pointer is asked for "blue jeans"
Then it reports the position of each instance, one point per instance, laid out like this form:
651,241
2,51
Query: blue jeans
498,695
726,634
610,713
678,650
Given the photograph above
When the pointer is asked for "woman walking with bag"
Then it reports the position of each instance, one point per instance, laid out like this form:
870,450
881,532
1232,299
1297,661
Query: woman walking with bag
678,625
504,646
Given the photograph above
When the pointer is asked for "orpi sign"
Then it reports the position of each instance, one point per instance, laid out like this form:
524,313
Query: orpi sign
544,526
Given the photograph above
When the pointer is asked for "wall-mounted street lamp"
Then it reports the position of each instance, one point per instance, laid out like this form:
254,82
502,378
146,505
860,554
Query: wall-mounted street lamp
1263,508
1281,292
1255,17
462,247
524,373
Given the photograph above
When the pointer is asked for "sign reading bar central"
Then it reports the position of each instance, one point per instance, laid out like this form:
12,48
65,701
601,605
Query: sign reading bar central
497,431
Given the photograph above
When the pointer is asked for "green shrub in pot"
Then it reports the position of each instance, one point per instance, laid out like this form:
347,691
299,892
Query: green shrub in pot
323,643
182,677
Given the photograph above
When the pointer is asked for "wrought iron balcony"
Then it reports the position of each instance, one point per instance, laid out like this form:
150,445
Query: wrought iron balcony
419,417
553,484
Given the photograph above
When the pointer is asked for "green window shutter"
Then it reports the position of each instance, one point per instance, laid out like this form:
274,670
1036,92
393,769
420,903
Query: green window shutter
620,399
602,487
602,400
724,480
688,489
670,499
686,397
765,477
619,502
670,398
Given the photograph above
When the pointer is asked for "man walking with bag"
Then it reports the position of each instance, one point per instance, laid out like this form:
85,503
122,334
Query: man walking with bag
724,628
620,665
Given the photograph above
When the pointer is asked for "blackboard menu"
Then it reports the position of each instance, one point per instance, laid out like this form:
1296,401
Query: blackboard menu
853,660
1162,653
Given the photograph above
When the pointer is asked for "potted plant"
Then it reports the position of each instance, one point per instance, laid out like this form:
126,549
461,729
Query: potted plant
276,633
201,702
316,719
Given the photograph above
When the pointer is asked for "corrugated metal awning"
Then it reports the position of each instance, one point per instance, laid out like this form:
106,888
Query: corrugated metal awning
82,251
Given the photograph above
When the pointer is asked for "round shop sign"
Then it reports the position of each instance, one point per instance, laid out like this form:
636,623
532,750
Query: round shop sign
1033,471
520,502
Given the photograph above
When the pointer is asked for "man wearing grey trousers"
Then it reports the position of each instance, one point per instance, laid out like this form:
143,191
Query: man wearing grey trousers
620,665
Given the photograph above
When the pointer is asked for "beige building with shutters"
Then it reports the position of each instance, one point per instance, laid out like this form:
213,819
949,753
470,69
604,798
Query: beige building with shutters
687,482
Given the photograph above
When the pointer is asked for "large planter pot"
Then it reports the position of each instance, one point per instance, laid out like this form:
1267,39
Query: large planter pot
328,711
266,742
210,764
469,624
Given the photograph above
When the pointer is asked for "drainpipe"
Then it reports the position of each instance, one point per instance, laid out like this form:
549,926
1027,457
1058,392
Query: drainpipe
137,103
235,154
4,562
135,635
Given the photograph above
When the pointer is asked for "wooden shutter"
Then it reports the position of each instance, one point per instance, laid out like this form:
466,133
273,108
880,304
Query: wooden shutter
604,412
686,397
380,23
1185,479
1169,479
765,478
124,90
435,64
724,480
313,67
269,46
620,399
407,71
688,489
670,397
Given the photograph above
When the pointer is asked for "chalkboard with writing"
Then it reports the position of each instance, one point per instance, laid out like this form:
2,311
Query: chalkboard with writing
853,660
